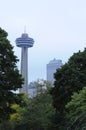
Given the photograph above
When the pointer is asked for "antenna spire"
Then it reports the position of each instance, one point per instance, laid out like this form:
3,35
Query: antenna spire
24,29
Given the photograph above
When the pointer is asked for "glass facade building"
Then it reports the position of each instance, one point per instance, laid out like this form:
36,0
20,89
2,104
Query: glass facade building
51,69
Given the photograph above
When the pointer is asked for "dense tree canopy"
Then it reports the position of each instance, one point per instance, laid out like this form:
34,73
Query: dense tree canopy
39,112
10,79
76,110
35,113
70,78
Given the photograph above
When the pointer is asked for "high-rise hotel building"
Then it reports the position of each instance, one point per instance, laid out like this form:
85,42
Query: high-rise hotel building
52,66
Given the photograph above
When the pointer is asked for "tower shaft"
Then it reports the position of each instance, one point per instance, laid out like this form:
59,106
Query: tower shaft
24,69
24,42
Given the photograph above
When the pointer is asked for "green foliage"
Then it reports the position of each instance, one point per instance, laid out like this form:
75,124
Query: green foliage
17,118
76,110
41,86
70,78
10,79
39,112
33,114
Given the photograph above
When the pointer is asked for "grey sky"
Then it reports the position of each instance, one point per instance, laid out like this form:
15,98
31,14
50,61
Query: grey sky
57,26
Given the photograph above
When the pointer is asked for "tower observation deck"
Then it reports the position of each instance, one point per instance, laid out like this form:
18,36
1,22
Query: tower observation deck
24,42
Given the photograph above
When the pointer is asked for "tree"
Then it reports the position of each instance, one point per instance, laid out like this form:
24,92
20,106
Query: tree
76,110
18,119
71,77
40,86
35,113
10,79
39,112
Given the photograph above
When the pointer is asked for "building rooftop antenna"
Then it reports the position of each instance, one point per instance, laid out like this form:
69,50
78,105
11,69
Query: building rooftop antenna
25,29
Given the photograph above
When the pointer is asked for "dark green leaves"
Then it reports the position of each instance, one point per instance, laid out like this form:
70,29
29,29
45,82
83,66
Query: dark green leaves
10,79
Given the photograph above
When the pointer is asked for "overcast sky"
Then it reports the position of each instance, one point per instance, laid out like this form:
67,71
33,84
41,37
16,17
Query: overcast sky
58,28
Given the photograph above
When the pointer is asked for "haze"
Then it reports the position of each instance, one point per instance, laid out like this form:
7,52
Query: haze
57,26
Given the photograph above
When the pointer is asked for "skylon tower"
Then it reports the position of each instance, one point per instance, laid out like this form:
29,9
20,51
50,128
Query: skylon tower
24,42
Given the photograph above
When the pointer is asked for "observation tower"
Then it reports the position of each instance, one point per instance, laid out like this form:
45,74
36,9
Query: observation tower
24,42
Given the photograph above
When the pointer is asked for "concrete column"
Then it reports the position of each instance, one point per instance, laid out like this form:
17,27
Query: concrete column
24,69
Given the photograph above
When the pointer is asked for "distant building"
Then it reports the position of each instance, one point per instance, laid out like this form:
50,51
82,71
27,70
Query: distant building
32,91
36,88
51,69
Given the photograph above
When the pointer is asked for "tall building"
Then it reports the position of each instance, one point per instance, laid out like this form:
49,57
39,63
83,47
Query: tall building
51,69
24,42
